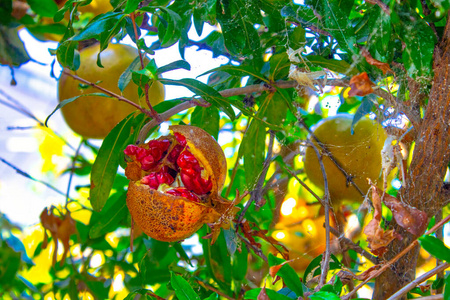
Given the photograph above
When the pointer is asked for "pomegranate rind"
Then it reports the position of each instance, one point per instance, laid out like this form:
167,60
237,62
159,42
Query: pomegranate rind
207,151
166,217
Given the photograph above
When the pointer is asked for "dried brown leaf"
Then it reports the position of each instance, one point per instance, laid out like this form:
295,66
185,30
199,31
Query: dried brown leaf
360,85
367,273
384,67
377,237
274,269
60,229
410,218
262,294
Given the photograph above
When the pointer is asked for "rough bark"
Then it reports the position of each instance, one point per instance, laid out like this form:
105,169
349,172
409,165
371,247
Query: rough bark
423,187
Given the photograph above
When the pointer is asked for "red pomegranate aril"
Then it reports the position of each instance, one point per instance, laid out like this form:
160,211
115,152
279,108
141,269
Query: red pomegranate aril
173,155
155,179
163,176
151,180
194,182
130,150
147,163
180,139
187,160
183,192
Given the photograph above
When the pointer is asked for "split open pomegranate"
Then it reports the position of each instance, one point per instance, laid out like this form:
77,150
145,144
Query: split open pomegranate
175,184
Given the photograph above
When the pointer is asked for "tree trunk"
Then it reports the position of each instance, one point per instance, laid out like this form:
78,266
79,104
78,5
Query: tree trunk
423,187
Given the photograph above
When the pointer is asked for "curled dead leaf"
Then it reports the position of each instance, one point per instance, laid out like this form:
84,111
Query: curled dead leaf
377,237
60,229
360,85
262,294
409,218
384,67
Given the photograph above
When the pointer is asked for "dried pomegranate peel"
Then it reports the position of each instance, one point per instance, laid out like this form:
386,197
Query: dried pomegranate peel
175,185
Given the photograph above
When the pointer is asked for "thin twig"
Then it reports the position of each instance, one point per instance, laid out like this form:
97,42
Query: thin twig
153,112
327,152
305,186
383,6
404,290
208,287
25,174
432,297
353,246
17,106
397,257
326,202
232,177
167,114
255,249
108,92
72,170
256,193
439,235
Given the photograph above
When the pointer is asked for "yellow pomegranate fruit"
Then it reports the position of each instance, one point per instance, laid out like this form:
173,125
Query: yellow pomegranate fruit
175,183
358,153
95,116
305,240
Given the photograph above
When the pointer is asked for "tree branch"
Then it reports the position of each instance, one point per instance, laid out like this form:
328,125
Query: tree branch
388,264
108,92
404,290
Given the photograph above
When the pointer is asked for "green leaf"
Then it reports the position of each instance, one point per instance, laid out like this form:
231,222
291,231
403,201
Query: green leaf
205,91
253,149
239,71
100,24
9,263
125,78
313,268
107,161
324,296
180,250
110,216
447,287
236,19
67,101
419,41
279,66
435,247
218,260
183,290
337,22
68,55
169,29
157,262
380,34
273,109
44,8
290,277
297,38
12,50
131,6
363,109
273,295
5,11
207,118
338,66
240,264
179,64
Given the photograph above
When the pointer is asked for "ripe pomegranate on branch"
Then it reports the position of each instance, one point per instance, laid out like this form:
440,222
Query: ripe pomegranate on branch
175,185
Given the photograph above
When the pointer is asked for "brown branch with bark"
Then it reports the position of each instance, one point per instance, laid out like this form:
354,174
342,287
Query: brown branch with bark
424,187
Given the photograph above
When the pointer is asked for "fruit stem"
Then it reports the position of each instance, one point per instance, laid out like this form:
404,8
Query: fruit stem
153,112
166,115
108,92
